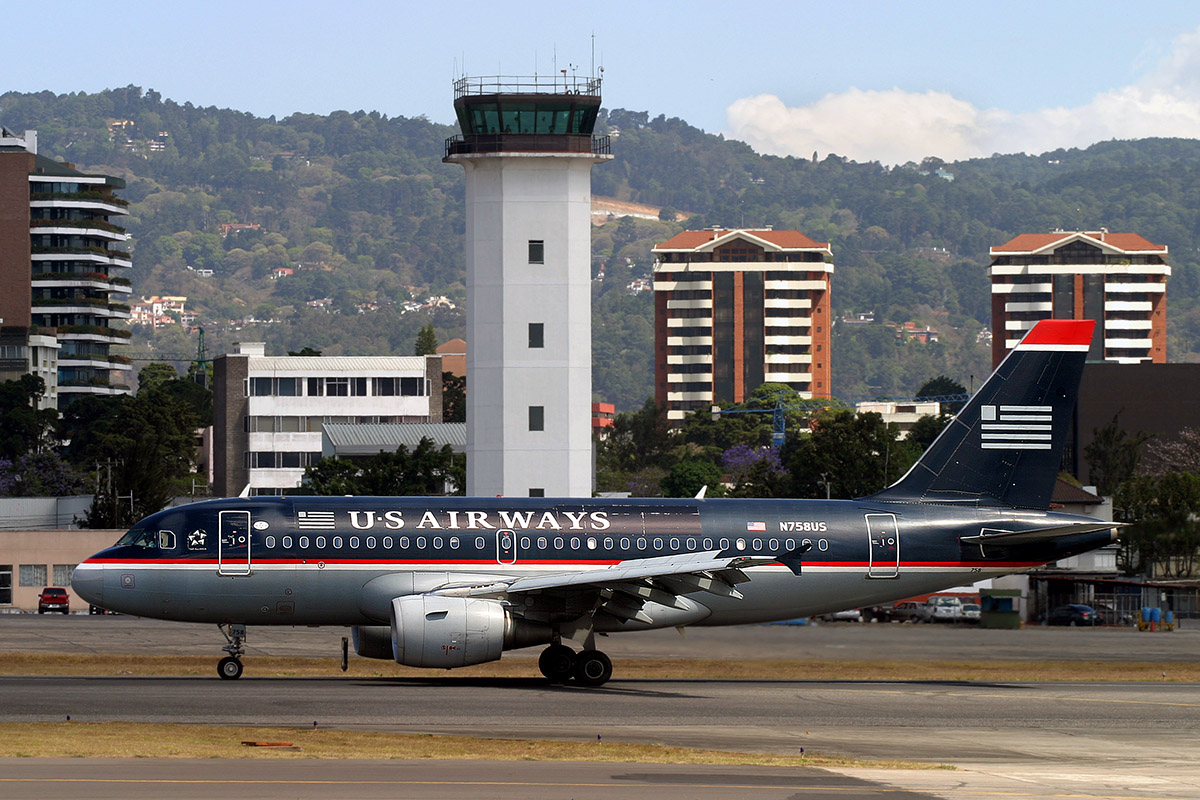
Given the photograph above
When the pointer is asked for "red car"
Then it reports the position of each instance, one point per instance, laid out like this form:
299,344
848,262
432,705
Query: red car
54,598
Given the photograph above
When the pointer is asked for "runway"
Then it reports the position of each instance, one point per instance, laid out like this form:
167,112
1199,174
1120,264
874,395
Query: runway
1117,740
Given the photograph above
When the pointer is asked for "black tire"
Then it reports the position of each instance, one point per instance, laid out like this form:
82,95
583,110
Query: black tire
557,663
229,668
41,611
592,668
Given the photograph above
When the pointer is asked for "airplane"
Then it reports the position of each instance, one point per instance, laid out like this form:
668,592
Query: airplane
444,582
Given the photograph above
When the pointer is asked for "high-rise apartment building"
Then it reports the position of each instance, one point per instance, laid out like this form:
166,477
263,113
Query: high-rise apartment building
1117,279
60,262
734,309
528,150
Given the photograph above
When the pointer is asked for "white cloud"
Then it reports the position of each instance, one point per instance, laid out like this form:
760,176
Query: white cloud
896,126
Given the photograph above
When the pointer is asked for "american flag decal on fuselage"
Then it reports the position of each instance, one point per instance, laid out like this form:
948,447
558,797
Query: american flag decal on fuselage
314,520
1016,427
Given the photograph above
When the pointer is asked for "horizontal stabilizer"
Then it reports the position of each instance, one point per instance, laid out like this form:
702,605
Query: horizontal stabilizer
1005,538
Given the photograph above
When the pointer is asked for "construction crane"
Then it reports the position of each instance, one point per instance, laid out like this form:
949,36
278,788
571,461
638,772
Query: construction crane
201,363
782,405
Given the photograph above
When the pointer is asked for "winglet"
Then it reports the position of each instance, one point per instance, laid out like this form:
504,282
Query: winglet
703,490
793,559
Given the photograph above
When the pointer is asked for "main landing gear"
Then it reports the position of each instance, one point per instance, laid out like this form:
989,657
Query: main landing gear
560,664
230,667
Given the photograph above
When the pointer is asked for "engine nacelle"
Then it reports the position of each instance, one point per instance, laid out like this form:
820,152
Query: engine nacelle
444,632
373,641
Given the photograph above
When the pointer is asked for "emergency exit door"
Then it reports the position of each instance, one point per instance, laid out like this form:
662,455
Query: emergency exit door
883,537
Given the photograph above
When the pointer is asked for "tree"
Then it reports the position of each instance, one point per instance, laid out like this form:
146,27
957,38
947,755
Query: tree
637,440
687,478
941,386
427,343
856,454
304,351
155,373
426,470
26,428
1180,454
39,475
454,397
755,472
926,429
1164,538
1113,455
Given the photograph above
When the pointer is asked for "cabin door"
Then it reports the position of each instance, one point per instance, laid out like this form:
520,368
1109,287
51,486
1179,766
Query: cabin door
233,545
506,547
883,546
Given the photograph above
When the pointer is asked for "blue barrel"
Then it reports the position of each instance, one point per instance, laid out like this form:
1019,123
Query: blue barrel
1169,616
1156,615
1146,614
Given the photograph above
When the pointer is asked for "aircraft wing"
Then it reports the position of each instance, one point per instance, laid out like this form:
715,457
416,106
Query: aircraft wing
623,589
999,537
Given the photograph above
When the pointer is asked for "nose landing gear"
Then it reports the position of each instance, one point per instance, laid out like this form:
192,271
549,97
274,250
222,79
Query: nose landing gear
230,667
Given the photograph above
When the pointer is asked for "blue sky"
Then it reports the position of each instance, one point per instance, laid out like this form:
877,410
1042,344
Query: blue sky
889,81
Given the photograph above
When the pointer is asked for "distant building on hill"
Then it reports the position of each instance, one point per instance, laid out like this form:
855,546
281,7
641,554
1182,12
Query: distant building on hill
60,263
1117,279
734,309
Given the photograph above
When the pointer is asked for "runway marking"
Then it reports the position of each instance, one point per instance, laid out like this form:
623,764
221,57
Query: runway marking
1009,696
556,785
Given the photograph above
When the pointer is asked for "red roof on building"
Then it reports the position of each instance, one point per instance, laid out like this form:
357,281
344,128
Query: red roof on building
788,240
1033,242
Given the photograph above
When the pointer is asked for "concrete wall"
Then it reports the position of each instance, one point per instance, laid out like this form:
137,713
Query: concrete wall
43,513
46,549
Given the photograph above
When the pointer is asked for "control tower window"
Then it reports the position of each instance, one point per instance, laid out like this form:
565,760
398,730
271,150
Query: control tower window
537,418
537,335
537,251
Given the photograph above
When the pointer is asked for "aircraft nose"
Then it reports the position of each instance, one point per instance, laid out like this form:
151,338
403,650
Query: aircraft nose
88,583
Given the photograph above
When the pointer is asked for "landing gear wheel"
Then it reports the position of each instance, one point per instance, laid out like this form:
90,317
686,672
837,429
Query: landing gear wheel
229,668
592,668
557,663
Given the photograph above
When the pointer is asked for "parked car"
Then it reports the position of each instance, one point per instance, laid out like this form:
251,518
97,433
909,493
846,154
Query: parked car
943,609
1074,614
54,598
849,615
908,611
970,613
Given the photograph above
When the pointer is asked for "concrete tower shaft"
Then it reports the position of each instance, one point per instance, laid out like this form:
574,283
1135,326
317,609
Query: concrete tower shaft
527,148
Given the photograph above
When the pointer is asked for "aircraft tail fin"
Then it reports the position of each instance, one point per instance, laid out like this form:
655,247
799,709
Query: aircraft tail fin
1005,446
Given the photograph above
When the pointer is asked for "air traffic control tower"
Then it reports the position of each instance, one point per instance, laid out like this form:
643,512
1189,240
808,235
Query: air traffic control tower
528,150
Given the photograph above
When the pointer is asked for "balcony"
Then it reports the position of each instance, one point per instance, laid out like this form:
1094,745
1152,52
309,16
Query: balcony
100,255
93,333
527,143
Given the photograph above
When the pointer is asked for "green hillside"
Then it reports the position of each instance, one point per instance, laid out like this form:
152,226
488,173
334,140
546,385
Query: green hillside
361,208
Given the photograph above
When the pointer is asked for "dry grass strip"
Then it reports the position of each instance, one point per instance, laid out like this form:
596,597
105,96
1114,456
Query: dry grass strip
134,740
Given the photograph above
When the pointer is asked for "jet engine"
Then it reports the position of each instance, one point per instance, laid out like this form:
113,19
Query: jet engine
373,641
444,632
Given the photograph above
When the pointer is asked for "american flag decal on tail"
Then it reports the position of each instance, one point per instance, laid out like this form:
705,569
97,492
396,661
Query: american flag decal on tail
1016,427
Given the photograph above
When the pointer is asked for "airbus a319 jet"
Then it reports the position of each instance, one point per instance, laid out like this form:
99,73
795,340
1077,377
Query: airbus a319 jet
445,582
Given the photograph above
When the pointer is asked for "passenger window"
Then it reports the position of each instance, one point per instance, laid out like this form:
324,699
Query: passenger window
354,541
574,542
321,542
304,542
774,546
524,542
708,544
404,542
420,542
674,543
724,543
337,541
591,542
437,543
480,543
624,542
387,542
453,542
371,542
658,543
558,543
269,541
757,544
691,544
287,542
608,543
790,544
543,543
741,544
641,543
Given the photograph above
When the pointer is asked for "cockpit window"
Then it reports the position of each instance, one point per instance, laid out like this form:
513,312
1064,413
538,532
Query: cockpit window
139,537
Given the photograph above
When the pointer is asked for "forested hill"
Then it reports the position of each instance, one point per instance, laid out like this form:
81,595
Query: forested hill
360,206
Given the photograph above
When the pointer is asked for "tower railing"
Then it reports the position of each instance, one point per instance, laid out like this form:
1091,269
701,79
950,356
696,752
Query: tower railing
525,84
527,143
